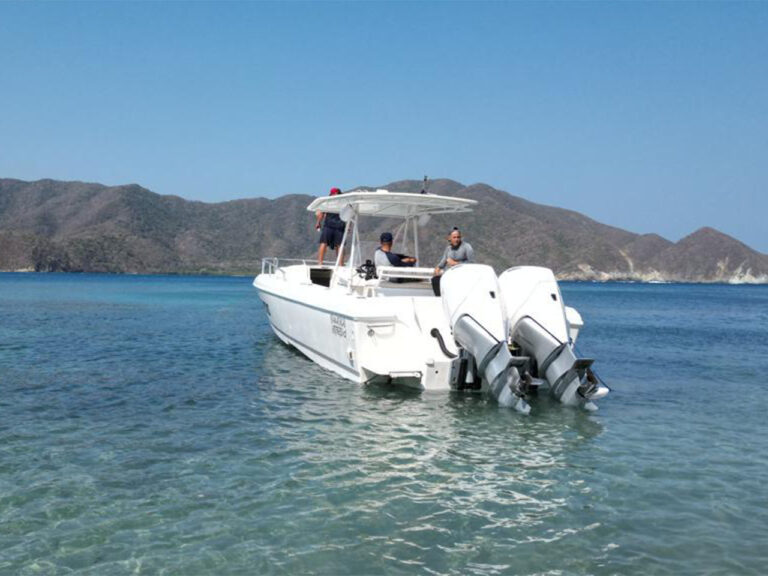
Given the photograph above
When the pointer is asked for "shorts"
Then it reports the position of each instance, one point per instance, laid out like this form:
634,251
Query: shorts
332,237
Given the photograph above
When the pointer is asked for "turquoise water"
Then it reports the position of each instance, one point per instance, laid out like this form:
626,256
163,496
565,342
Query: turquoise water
153,425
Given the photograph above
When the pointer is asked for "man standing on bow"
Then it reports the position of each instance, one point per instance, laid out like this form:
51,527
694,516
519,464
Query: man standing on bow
455,253
331,229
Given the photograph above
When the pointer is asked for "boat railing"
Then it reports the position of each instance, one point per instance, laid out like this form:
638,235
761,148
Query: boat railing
270,265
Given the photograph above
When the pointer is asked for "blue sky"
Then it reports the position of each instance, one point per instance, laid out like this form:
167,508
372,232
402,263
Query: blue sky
648,116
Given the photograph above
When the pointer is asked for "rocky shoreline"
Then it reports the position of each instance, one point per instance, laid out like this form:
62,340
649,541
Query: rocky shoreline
655,277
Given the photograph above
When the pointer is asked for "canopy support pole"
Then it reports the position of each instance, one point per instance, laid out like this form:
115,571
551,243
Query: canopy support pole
416,240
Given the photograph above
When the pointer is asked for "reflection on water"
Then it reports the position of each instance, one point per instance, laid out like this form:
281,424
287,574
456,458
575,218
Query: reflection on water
451,475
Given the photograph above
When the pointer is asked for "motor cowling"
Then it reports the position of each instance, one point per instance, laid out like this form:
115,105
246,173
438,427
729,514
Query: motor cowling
538,324
473,305
533,291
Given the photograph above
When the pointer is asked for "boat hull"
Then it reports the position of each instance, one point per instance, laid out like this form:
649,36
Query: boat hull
362,339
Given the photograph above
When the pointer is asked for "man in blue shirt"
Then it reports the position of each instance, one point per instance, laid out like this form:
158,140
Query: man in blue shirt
331,231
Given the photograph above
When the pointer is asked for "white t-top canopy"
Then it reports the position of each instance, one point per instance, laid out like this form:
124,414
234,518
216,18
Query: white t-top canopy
391,204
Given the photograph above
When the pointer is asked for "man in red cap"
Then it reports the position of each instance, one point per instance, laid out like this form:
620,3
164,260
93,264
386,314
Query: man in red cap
332,231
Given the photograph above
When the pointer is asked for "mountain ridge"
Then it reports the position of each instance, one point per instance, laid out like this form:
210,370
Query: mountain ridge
51,225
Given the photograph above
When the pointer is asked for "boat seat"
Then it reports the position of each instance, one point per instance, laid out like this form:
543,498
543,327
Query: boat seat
390,273
405,289
404,281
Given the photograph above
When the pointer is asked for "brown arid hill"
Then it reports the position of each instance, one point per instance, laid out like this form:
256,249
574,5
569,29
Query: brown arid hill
49,225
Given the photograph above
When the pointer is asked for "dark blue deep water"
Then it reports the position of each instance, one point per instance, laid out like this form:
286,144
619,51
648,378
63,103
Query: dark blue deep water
153,425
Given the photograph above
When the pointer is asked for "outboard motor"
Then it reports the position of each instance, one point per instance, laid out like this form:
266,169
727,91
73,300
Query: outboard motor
538,324
473,305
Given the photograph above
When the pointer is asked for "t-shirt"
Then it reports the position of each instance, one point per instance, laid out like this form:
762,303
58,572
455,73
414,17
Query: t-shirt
463,253
334,221
381,258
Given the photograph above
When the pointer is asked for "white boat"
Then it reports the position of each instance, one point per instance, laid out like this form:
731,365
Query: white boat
504,335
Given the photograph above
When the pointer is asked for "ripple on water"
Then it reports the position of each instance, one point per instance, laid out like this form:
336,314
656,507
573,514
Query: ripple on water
154,425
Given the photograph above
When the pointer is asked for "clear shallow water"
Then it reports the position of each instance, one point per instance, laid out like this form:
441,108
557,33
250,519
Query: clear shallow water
153,425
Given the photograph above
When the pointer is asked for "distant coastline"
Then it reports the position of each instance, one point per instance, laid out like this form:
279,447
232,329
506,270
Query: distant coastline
55,226
576,280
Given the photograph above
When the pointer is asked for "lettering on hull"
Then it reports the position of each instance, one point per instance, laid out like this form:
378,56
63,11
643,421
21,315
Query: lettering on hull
339,326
